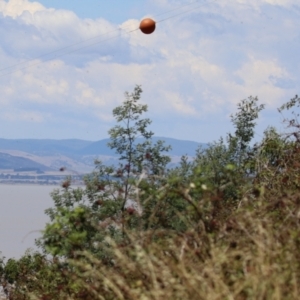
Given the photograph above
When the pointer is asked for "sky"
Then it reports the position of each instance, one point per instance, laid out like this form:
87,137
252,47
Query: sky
66,64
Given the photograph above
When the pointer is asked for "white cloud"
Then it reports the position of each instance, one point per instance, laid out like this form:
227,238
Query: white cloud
279,2
256,76
27,116
193,67
178,103
15,8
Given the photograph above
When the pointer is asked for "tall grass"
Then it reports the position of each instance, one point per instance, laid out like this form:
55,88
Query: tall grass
252,254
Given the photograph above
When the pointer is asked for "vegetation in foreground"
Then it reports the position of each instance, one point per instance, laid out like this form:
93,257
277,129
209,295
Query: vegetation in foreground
224,226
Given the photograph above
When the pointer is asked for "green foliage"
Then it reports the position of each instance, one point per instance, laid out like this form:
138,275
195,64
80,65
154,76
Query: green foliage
32,274
227,167
110,203
224,226
243,120
136,156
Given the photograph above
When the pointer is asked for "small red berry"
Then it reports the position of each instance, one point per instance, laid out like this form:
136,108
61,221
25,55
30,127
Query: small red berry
130,210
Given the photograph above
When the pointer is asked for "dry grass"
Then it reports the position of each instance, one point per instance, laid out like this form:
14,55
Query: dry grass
254,254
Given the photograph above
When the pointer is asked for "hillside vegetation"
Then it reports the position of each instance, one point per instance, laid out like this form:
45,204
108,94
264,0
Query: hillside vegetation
223,226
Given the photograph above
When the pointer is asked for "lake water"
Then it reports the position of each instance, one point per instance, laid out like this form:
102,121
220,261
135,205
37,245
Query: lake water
22,216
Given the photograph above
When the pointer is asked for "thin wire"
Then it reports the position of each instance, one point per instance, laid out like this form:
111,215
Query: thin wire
63,48
58,50
189,10
32,231
75,50
99,42
178,7
87,40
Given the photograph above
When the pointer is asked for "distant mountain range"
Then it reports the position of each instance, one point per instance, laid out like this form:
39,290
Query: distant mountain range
77,155
8,161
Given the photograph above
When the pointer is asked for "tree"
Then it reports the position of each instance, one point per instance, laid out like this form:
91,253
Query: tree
243,121
226,165
109,204
137,157
219,157
277,156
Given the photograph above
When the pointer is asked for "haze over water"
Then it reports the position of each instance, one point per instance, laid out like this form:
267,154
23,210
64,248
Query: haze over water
21,212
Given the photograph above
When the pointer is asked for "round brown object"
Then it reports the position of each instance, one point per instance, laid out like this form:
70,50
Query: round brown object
147,26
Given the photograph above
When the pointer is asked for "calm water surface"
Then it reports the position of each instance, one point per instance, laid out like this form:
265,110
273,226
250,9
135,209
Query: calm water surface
22,216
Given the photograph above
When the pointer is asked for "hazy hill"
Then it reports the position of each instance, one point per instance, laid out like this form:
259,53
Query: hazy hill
179,147
82,147
8,161
76,155
44,147
56,161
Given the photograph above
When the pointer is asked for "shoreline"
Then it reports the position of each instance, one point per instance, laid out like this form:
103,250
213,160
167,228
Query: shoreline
39,184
